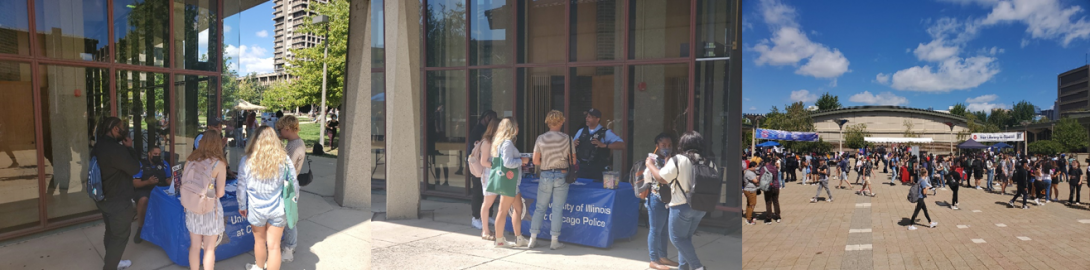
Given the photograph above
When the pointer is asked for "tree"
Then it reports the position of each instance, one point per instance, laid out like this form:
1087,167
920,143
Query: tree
1022,111
828,102
279,97
981,115
1045,147
1071,135
959,109
909,132
306,67
854,134
999,117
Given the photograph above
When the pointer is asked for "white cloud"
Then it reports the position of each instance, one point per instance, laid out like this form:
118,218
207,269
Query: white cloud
952,74
251,59
935,51
1044,19
982,99
789,45
803,95
882,78
983,103
747,99
263,33
226,28
752,108
885,98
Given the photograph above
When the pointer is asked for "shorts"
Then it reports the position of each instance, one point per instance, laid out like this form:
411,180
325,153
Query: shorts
257,219
141,193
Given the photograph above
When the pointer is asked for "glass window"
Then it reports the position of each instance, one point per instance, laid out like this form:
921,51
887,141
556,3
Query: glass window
658,100
232,37
446,130
14,28
711,104
142,104
488,43
140,30
18,151
600,88
378,37
540,90
446,33
72,29
378,125
194,98
660,29
597,30
541,39
74,100
489,89
196,38
713,35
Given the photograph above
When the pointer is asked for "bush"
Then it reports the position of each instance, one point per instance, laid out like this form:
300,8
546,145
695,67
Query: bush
1045,147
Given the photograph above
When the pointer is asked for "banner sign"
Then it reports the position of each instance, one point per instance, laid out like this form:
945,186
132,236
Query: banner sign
998,137
769,134
164,225
592,216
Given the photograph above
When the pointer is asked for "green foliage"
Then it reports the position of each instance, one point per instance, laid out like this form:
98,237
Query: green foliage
820,146
854,134
981,115
1045,147
1071,135
909,129
999,118
1022,111
795,117
279,96
306,66
828,102
959,109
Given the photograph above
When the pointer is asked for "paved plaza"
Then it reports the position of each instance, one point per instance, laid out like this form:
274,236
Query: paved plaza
856,232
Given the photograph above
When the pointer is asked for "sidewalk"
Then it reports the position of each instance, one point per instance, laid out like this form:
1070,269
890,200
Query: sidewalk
330,237
443,239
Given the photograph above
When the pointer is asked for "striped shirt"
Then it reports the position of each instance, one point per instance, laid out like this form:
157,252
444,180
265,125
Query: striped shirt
554,148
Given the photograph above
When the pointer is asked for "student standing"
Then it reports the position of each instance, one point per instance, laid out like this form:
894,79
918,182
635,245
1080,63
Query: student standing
1074,180
925,185
477,201
506,155
118,165
261,181
772,197
750,190
486,162
288,128
683,219
657,214
206,164
554,154
823,181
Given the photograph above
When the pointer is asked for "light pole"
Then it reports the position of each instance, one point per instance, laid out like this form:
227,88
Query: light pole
1025,138
323,20
951,125
841,122
756,118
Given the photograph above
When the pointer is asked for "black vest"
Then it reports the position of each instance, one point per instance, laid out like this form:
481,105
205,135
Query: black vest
589,154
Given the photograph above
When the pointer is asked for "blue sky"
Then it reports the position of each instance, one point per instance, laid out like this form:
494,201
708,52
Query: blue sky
929,53
251,45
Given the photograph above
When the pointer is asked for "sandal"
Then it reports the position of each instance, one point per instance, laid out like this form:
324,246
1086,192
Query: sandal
488,237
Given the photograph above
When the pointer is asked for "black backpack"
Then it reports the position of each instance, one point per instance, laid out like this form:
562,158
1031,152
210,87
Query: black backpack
709,184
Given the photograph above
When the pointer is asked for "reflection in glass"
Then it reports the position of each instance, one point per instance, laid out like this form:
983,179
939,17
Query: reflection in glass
14,28
540,90
597,30
600,88
713,35
142,104
194,102
18,151
378,125
660,29
658,100
446,130
446,33
72,29
488,43
489,89
68,125
711,104
196,39
141,28
541,38
378,37
232,37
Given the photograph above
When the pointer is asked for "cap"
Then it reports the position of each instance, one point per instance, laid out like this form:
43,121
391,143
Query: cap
595,112
214,122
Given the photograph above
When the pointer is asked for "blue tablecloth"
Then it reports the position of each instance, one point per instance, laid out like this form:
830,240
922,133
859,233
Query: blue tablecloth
593,216
164,225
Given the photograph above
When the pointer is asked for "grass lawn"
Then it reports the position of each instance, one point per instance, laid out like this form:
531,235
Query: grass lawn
309,132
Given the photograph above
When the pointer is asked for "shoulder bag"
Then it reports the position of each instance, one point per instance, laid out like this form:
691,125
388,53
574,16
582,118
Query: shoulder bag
199,191
306,178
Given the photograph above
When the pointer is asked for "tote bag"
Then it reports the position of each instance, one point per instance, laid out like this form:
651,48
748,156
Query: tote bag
502,180
290,198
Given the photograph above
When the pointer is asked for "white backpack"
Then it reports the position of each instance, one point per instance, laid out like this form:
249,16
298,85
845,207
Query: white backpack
474,160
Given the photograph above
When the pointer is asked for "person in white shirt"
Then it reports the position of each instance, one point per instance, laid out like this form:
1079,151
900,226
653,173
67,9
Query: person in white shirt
683,219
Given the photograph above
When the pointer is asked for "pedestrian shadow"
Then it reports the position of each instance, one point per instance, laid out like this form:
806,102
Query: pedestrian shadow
942,203
905,222
1073,206
1004,204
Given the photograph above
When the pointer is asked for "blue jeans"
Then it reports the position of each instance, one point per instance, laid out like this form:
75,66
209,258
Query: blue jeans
290,237
683,223
1048,190
552,186
657,236
991,175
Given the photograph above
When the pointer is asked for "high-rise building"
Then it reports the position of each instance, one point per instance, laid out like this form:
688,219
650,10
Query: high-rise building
288,16
1072,91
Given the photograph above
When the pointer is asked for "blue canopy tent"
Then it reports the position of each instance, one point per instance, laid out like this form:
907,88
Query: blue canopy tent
1000,146
768,143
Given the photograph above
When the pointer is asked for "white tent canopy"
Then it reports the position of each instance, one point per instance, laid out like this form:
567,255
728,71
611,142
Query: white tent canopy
246,106
897,140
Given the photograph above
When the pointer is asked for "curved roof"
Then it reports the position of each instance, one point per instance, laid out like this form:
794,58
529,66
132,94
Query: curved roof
896,109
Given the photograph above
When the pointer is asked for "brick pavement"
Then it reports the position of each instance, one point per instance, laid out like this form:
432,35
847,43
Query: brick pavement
834,235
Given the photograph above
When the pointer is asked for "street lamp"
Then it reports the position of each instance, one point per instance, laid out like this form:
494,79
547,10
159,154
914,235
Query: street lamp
756,119
951,125
841,122
323,20
1025,139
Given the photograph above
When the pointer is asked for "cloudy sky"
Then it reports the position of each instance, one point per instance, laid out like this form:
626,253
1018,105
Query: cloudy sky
930,53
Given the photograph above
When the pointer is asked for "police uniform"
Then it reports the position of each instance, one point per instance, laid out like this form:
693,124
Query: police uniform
148,169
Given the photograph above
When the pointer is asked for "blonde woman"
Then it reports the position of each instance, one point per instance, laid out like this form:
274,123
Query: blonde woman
486,162
261,177
553,153
204,229
506,155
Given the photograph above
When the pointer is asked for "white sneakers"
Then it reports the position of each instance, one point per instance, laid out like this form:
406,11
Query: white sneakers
533,241
287,255
521,241
250,266
475,222
934,223
556,243
911,227
124,264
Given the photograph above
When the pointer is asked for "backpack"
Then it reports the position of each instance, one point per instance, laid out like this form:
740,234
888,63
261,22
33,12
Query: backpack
474,160
914,193
198,189
766,179
708,185
94,181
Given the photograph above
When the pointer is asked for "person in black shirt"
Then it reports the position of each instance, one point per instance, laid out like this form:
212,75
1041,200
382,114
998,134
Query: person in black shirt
117,165
154,171
1021,180
978,170
1074,181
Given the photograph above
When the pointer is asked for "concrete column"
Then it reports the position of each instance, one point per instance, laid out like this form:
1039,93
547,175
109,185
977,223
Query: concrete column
404,128
355,149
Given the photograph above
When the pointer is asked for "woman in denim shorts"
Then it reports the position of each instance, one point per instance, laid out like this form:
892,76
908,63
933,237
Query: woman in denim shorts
261,181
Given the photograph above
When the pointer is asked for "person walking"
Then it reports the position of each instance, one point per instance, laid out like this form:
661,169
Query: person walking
288,127
554,155
750,190
489,198
684,220
477,200
1021,179
823,181
658,215
772,196
955,185
867,189
505,155
205,170
265,171
1057,178
1074,181
925,185
1003,173
117,165
990,165
842,173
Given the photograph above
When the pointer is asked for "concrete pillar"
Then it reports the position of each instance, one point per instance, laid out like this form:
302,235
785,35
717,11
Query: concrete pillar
404,163
355,145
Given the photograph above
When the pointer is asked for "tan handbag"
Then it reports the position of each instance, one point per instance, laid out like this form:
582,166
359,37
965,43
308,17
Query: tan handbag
198,190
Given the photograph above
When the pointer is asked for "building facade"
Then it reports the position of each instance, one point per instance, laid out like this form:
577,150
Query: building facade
892,121
1072,91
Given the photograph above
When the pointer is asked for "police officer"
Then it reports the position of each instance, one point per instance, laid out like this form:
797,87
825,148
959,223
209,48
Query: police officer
594,145
154,171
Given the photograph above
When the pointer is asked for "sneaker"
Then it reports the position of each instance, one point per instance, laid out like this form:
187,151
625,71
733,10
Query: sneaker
750,222
475,222
978,187
501,243
1025,207
556,244
124,264
813,200
250,266
777,220
521,241
287,255
934,223
768,222
953,207
830,199
874,195
1011,203
533,241
911,227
